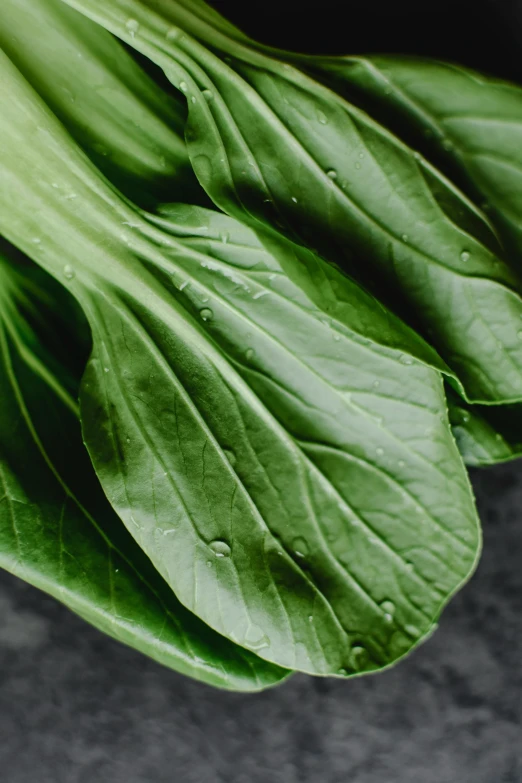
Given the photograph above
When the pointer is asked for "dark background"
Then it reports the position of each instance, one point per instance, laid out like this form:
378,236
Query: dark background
76,707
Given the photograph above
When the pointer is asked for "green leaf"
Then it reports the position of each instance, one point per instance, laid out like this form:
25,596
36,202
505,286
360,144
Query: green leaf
471,125
272,436
57,530
131,128
486,434
270,144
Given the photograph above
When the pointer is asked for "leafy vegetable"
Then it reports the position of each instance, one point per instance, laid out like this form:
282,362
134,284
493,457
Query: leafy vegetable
130,127
269,143
272,396
486,434
471,125
261,451
58,532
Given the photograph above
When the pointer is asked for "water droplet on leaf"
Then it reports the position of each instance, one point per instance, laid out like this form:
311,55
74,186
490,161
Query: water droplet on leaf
256,639
220,548
231,457
132,26
360,657
300,546
332,174
183,86
206,314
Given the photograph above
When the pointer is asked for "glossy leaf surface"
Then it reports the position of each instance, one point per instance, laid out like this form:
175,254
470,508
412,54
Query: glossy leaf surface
275,440
270,144
57,530
131,128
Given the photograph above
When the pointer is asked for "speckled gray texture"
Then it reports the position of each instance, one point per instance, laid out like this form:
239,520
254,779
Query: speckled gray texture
76,707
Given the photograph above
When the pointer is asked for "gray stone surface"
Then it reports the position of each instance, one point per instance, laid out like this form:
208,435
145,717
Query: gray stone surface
76,707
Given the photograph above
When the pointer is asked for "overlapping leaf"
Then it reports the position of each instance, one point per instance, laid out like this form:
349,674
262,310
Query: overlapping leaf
271,144
57,530
130,127
469,123
486,434
274,439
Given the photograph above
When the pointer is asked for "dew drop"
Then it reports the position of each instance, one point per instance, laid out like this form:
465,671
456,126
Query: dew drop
132,26
412,630
256,639
321,116
36,240
401,463
173,34
206,314
231,457
332,174
376,384
294,199
224,236
407,360
250,353
300,546
388,607
405,237
208,95
193,99
360,657
68,272
310,618
183,86
209,563
357,165
184,285
220,548
519,335
498,436
448,145
106,369
464,256
337,337
343,672
379,452
361,155
128,440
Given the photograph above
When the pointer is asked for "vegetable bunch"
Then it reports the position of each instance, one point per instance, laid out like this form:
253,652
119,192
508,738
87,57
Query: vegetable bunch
258,310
